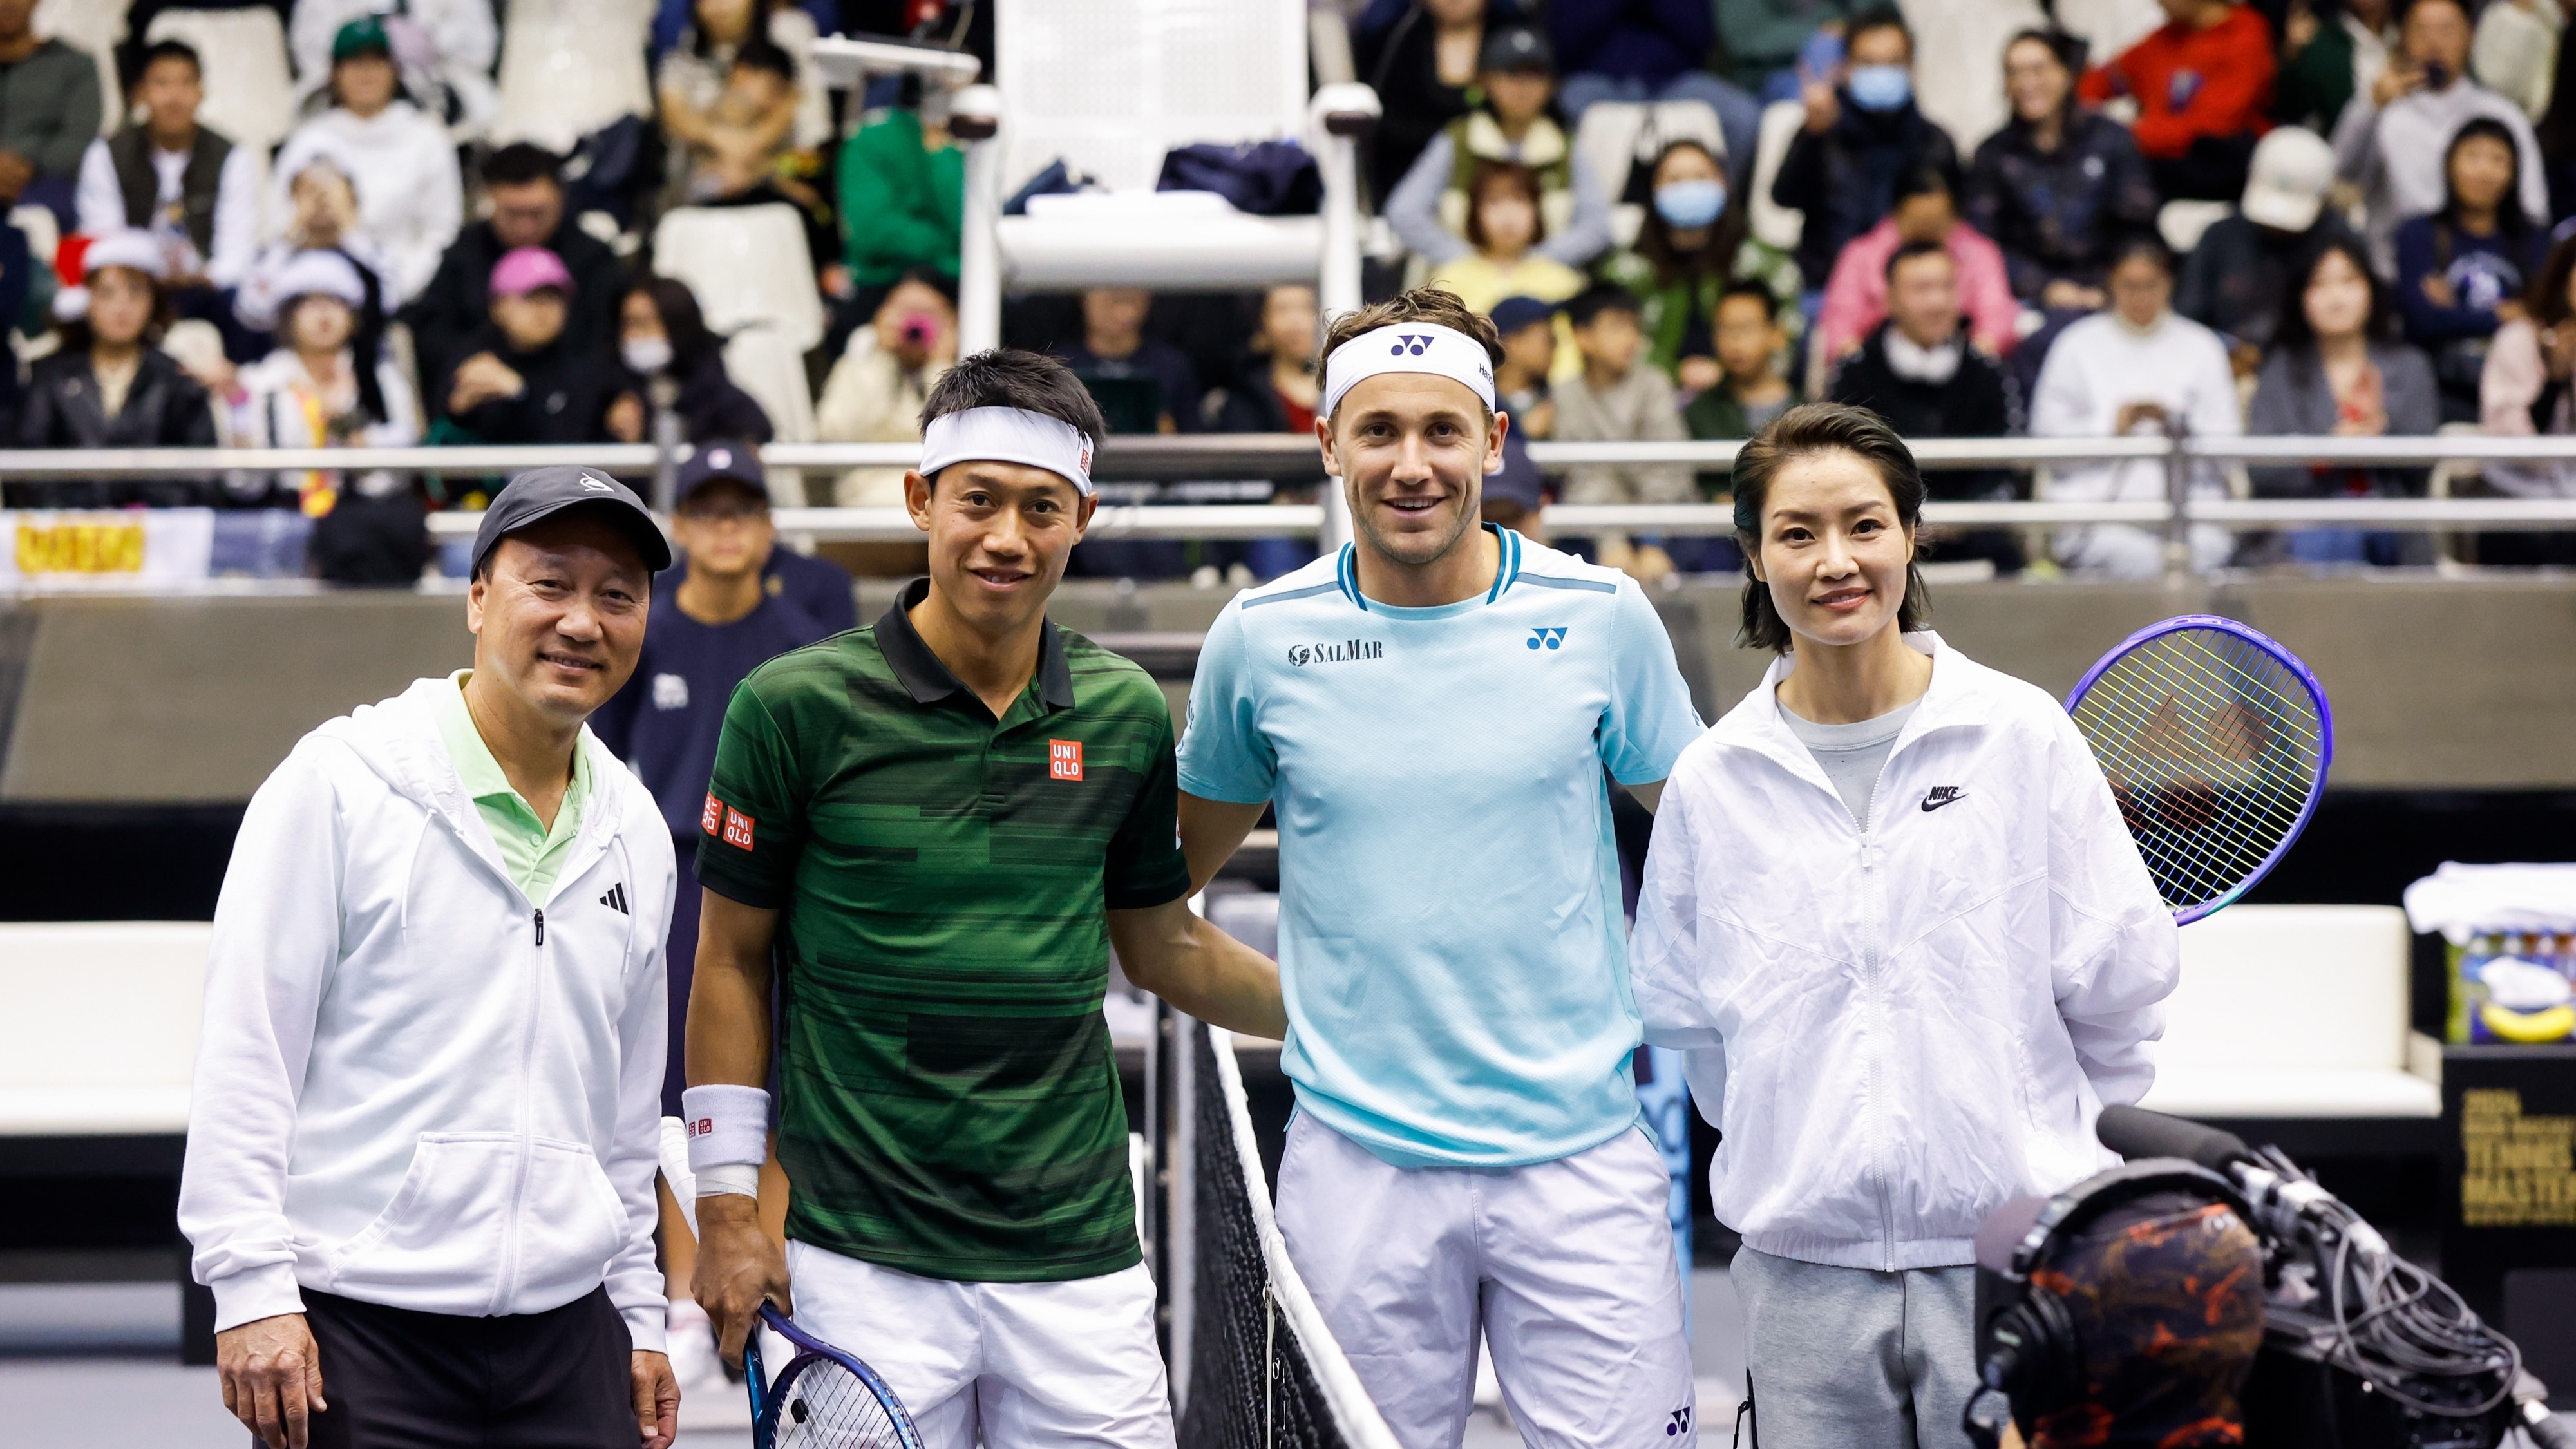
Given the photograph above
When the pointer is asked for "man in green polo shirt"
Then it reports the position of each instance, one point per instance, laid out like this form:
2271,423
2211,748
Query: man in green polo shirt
943,823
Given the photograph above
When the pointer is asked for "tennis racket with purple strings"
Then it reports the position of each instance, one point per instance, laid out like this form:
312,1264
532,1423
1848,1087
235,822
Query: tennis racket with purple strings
2215,740
823,1398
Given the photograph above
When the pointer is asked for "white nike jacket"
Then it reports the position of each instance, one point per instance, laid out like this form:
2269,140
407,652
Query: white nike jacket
1899,1028
415,1086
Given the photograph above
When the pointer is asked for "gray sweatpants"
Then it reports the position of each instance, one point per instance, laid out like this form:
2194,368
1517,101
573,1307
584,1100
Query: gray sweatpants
1847,1358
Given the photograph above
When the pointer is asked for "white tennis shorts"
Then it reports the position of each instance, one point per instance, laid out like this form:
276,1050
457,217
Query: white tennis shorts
1016,1365
1566,1267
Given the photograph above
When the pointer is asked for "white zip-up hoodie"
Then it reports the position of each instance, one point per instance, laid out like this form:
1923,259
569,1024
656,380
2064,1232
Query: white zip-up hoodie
415,1086
1900,1027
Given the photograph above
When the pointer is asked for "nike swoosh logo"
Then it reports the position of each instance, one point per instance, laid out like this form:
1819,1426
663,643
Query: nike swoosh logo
1930,804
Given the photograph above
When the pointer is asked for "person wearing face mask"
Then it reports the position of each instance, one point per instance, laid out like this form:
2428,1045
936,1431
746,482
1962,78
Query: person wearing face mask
2203,84
1880,797
662,335
1428,209
1917,370
1862,132
1692,247
2134,369
1856,295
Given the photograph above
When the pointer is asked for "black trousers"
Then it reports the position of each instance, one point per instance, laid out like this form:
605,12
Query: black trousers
397,1378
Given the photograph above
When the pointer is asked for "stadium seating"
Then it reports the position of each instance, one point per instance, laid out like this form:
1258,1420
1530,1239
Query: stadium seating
96,27
749,267
100,1037
571,67
2295,1012
1772,223
250,91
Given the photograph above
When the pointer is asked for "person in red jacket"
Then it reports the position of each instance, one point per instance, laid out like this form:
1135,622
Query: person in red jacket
2203,84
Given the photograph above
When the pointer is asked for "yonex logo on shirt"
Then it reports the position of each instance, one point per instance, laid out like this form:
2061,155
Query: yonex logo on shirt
1064,759
1302,655
1552,638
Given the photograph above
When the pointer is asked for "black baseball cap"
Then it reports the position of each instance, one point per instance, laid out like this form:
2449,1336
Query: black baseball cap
1514,49
721,462
541,493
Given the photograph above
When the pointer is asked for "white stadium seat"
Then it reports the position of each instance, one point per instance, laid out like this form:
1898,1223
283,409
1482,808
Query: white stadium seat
2295,1011
96,27
1772,223
749,267
250,91
100,1036
571,67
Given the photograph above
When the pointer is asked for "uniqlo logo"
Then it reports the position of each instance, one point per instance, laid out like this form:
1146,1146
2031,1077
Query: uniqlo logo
737,828
1064,759
703,1127
711,819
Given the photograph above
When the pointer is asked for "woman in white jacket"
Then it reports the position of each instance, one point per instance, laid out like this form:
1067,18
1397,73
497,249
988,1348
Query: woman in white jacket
411,196
1893,913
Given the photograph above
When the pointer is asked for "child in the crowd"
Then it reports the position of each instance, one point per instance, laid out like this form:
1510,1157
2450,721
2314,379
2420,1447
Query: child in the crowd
1504,226
1749,345
1616,398
734,144
2461,271
1528,327
524,381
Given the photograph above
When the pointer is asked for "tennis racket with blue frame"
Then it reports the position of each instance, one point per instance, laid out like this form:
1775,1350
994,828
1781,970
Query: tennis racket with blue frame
2215,740
824,1397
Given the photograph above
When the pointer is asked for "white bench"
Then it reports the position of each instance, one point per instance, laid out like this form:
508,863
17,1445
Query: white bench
99,1038
2295,1012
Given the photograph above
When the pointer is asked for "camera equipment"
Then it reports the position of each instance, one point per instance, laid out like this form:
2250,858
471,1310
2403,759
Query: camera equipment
2360,1347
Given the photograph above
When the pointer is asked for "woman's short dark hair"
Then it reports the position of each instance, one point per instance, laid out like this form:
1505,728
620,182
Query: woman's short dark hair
2511,220
1810,428
2141,244
1006,377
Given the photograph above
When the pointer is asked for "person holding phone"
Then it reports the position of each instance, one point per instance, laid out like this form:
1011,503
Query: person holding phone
2393,138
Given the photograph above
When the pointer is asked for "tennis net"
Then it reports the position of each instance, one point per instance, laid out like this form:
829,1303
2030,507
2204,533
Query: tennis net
1261,1369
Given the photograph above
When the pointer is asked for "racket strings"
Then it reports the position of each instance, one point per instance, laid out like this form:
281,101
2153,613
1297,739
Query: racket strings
820,1404
2213,748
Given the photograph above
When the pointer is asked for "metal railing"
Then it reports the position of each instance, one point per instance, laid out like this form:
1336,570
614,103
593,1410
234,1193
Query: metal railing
1292,459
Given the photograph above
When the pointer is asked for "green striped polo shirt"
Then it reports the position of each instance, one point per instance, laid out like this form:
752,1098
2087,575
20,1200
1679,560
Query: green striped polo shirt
949,1104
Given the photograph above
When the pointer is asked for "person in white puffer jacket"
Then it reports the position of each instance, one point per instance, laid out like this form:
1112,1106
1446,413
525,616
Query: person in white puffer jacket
427,1106
1892,913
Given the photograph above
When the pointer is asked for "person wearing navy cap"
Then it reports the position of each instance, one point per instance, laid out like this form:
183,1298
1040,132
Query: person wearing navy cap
722,617
818,586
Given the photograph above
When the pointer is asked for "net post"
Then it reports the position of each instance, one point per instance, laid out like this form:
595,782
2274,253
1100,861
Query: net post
1179,1188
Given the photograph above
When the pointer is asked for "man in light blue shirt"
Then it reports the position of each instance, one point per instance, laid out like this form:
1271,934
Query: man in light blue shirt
1430,713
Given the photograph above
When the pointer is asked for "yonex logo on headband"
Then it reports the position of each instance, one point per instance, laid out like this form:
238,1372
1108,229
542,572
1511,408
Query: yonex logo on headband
1411,347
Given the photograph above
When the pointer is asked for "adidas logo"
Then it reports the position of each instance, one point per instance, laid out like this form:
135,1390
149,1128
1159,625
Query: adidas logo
615,900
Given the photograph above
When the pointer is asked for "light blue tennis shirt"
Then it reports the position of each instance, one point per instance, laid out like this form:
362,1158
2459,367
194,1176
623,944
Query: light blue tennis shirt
1451,942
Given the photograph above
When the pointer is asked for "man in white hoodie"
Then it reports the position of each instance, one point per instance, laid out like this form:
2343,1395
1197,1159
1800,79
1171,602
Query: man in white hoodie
424,1126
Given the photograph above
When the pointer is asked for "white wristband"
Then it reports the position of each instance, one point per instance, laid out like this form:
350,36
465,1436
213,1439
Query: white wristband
731,1177
728,1127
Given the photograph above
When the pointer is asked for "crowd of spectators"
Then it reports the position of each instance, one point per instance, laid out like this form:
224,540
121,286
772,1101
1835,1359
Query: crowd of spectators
2278,216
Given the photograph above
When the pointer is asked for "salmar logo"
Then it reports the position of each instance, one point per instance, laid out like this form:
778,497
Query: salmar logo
1302,655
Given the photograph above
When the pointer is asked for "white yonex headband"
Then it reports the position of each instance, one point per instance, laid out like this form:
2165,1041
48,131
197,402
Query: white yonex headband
1409,347
1008,435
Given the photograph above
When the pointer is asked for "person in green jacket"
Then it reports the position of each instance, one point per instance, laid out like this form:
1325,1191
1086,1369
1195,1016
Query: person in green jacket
903,198
1694,241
